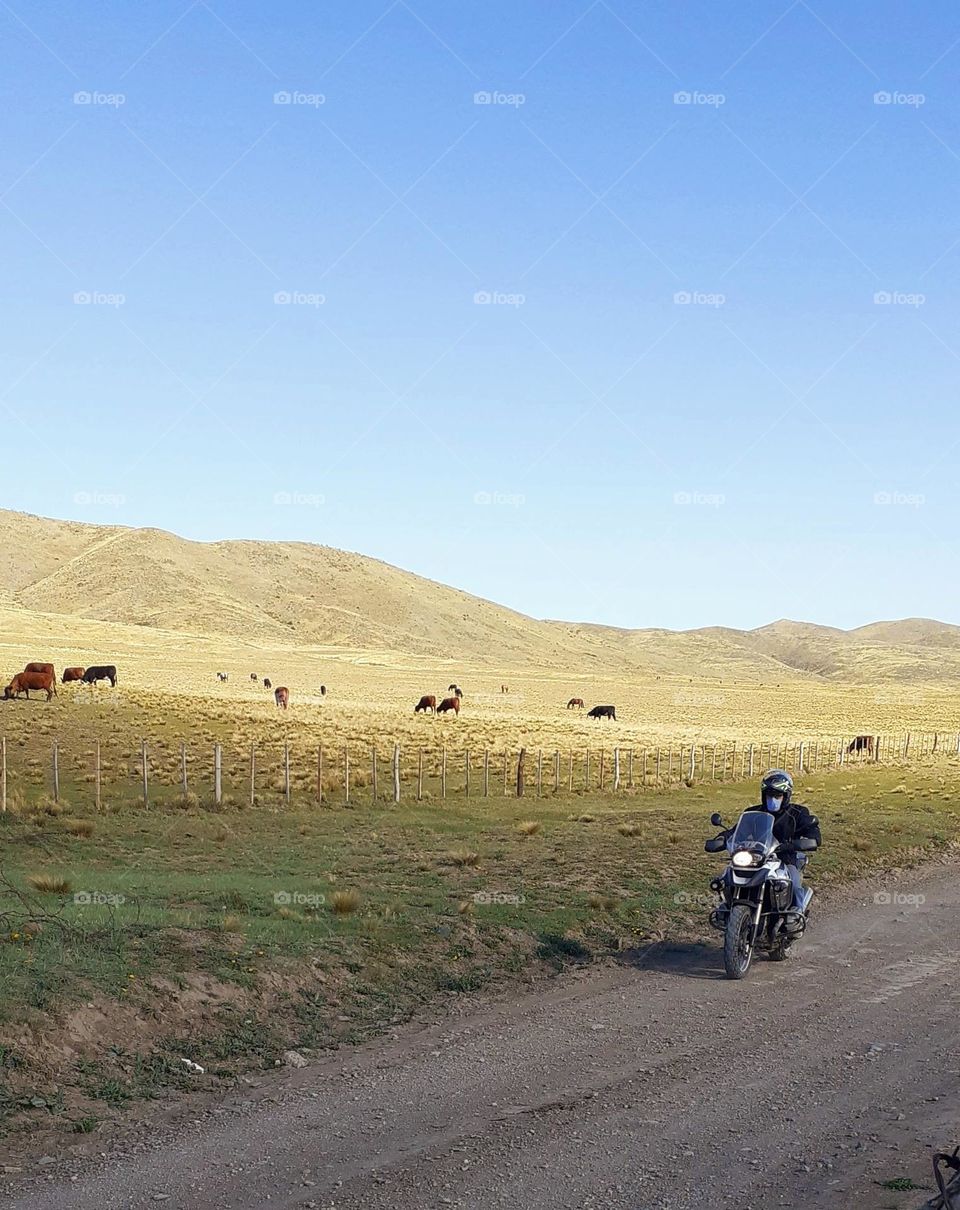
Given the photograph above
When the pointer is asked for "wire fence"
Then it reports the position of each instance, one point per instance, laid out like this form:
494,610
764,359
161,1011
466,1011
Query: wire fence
158,771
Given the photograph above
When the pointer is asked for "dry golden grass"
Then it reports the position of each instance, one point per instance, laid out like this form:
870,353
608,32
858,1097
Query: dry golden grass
49,884
81,828
344,903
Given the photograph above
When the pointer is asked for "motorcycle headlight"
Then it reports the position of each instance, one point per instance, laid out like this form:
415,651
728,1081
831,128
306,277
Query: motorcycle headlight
743,860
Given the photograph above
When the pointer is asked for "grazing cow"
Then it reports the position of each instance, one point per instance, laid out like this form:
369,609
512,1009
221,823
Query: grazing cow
72,674
39,682
101,672
575,702
427,702
449,703
603,712
254,677
862,743
267,683
282,696
504,689
323,691
222,677
42,668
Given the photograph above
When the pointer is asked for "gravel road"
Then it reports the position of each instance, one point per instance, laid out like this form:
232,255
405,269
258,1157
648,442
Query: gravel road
651,1085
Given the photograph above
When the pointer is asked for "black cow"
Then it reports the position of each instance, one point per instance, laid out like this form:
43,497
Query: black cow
267,683
862,743
603,712
222,677
101,672
323,691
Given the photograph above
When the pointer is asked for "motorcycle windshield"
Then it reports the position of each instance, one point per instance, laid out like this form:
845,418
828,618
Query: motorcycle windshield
755,829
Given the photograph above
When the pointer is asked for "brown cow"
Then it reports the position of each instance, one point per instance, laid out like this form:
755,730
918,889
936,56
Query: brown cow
281,696
862,743
23,682
575,701
427,702
72,674
449,703
46,669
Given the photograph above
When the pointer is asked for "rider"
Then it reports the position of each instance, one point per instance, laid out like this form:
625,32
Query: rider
792,821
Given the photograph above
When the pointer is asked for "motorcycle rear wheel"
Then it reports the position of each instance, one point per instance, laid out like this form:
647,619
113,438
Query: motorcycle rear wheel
738,942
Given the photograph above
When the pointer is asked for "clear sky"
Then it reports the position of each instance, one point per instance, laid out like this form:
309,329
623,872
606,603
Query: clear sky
714,380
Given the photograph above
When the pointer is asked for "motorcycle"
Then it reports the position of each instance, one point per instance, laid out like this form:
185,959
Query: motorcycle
755,895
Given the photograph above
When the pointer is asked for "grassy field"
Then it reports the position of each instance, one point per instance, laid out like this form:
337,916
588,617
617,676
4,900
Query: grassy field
134,938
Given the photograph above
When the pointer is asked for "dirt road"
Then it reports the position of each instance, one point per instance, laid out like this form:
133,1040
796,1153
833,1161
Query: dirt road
655,1085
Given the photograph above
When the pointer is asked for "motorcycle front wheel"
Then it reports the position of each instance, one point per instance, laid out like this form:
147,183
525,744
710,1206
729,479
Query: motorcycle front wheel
738,942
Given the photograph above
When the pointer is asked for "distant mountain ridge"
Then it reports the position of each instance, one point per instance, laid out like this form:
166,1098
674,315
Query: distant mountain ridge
296,593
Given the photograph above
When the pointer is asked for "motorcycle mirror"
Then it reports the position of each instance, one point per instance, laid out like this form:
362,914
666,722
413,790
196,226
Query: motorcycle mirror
716,819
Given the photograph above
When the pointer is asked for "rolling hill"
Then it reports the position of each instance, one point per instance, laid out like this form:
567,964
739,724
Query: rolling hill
294,594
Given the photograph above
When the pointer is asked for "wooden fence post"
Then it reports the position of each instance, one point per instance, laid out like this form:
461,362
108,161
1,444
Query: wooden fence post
693,761
616,768
346,773
443,772
570,772
520,759
96,776
466,773
601,768
253,773
486,773
183,767
420,775
658,766
143,771
506,766
800,758
586,775
396,772
373,761
217,788
286,774
751,760
556,772
3,774
56,771
319,772
643,772
630,769
539,773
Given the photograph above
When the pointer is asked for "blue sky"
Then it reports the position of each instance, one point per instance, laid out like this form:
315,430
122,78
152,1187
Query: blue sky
659,329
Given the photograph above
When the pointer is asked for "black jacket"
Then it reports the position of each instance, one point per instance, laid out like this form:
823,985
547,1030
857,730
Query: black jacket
794,822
